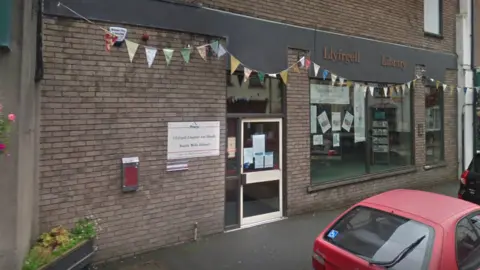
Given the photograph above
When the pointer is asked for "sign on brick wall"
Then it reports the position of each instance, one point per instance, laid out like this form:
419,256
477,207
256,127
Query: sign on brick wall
193,139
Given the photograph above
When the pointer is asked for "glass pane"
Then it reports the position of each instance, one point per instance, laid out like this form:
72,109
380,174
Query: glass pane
232,207
261,146
389,128
337,140
261,198
254,96
380,236
433,125
232,152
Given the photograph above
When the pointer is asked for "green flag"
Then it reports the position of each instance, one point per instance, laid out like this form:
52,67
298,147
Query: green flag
261,76
186,54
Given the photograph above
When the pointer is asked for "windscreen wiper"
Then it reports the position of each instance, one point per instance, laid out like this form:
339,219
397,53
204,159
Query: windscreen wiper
400,256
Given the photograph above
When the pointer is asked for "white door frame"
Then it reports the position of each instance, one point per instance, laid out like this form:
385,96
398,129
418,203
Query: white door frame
262,176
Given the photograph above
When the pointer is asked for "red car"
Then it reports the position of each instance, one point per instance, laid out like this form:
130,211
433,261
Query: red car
402,230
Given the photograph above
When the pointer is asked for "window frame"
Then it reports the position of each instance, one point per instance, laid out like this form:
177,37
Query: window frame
368,140
468,217
441,109
431,236
440,19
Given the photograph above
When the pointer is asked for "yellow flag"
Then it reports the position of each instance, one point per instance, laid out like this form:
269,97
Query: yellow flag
234,63
284,75
438,83
295,68
349,83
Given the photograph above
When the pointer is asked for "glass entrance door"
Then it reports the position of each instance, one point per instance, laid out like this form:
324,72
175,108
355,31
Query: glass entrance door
261,171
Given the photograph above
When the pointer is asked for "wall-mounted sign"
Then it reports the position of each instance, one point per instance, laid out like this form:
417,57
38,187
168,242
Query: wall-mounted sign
193,139
390,62
120,32
340,56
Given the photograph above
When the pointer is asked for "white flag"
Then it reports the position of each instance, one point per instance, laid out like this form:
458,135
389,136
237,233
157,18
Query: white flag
403,88
364,89
409,84
246,73
221,51
385,91
316,69
131,48
371,88
334,78
341,80
444,87
151,53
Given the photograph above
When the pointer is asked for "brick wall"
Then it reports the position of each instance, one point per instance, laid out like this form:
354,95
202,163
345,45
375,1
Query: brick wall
392,21
298,151
97,107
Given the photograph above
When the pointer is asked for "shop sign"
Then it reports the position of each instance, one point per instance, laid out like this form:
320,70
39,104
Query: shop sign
193,139
388,61
334,55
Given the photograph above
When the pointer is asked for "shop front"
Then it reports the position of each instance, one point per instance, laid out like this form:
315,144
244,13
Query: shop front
311,121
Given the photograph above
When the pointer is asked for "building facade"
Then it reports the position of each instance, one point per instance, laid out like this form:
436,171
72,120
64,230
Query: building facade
379,113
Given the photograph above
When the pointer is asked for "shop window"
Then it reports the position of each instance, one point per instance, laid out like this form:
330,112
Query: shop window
353,134
254,95
434,125
337,148
432,16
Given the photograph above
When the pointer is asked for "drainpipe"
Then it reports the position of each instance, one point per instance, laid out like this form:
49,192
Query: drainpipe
474,79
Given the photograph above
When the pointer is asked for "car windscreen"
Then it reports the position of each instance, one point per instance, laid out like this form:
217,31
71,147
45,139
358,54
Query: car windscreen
376,235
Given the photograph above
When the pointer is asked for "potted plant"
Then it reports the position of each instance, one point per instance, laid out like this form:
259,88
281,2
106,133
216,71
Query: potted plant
5,128
62,249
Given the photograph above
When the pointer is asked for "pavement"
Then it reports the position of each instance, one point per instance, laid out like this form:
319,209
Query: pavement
282,245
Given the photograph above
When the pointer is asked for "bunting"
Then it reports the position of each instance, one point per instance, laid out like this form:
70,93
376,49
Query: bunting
219,50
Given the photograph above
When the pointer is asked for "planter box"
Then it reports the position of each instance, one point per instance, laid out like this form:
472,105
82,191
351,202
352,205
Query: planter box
79,258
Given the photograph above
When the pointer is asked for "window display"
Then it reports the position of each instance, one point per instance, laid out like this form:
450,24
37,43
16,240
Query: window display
353,133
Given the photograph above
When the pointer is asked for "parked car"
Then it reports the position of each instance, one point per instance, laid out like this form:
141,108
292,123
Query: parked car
469,180
402,230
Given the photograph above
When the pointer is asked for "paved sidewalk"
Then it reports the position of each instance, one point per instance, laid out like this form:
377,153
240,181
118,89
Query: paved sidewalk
283,245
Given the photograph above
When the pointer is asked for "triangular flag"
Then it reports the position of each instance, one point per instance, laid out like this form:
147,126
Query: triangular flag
334,78
261,76
349,83
295,68
403,88
438,83
150,53
221,51
284,75
273,75
234,63
341,80
409,84
131,48
316,68
246,73
325,74
110,39
307,63
371,88
202,50
397,88
302,61
444,87
214,46
186,54
168,55
364,89
385,91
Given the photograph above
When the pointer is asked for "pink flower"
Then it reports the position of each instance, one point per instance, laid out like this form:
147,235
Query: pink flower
11,117
2,146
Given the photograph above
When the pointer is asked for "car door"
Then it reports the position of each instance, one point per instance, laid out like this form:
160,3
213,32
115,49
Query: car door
467,242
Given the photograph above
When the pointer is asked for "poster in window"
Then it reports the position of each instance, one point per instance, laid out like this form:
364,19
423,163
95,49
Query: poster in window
359,113
318,139
336,139
336,121
347,121
328,94
313,119
324,122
